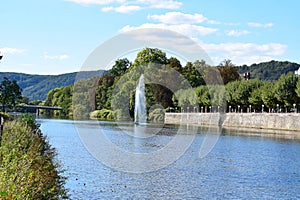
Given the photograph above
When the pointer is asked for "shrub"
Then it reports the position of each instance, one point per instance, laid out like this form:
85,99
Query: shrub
27,164
103,114
28,120
157,115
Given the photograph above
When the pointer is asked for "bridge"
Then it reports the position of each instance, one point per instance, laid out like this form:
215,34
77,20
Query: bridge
36,109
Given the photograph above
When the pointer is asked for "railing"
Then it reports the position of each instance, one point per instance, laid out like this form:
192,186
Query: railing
237,109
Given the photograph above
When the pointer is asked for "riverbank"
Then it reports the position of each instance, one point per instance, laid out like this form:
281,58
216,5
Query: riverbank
269,121
27,161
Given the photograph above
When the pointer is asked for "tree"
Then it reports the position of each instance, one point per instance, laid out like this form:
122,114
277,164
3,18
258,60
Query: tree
203,96
243,93
231,89
104,92
228,71
255,98
150,55
298,88
120,67
268,94
193,75
285,89
10,93
175,64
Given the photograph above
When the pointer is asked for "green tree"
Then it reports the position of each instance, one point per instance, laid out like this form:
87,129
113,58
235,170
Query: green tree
231,89
60,97
256,99
120,67
10,93
150,55
192,74
175,64
268,94
243,93
285,89
104,92
203,97
228,71
298,88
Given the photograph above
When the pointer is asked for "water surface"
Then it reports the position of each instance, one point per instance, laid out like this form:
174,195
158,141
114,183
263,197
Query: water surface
238,167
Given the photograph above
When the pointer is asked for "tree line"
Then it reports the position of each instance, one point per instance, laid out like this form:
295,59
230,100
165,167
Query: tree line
112,95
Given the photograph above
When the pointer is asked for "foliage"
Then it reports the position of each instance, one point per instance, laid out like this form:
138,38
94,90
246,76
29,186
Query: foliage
28,170
298,88
61,97
6,116
150,55
171,85
203,96
185,97
268,94
157,115
175,64
10,93
120,67
228,71
36,87
192,73
285,89
104,92
28,120
255,98
103,114
83,101
269,70
231,89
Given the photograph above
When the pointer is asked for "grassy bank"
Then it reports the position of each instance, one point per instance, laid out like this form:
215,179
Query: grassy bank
27,166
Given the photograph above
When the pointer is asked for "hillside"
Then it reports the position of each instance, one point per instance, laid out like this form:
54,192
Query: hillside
36,87
269,70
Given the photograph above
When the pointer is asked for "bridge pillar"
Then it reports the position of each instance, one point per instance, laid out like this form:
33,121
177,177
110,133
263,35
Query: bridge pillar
37,112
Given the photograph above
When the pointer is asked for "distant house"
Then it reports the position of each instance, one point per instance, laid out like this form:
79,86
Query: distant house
297,72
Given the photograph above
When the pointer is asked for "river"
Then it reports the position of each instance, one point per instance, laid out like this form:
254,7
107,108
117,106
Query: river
238,167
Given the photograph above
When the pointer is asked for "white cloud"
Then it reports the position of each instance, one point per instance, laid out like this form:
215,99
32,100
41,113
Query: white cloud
244,53
9,50
164,4
185,29
122,9
236,33
178,18
56,57
99,2
214,22
232,24
125,6
260,25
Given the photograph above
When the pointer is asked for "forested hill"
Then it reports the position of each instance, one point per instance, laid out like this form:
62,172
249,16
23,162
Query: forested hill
36,87
269,70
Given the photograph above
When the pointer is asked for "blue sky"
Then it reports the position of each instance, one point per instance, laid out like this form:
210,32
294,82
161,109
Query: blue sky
56,36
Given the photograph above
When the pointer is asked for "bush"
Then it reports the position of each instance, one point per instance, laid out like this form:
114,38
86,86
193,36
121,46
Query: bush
120,115
103,114
157,115
27,164
28,120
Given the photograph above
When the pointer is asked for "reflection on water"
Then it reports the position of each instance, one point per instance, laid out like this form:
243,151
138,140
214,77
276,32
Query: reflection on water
239,167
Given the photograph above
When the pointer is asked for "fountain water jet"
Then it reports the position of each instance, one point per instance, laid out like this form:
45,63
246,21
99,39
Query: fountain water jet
140,111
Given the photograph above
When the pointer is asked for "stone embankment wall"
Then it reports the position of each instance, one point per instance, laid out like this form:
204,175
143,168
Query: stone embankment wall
276,121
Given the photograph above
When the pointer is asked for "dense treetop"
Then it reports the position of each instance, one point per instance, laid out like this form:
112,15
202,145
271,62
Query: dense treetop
113,94
269,70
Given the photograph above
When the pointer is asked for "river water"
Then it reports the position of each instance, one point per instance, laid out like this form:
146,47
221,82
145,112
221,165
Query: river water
238,167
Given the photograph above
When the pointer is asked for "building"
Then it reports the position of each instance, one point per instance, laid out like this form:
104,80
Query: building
297,72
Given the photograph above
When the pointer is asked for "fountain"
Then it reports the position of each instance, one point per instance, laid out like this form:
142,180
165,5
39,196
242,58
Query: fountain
140,111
